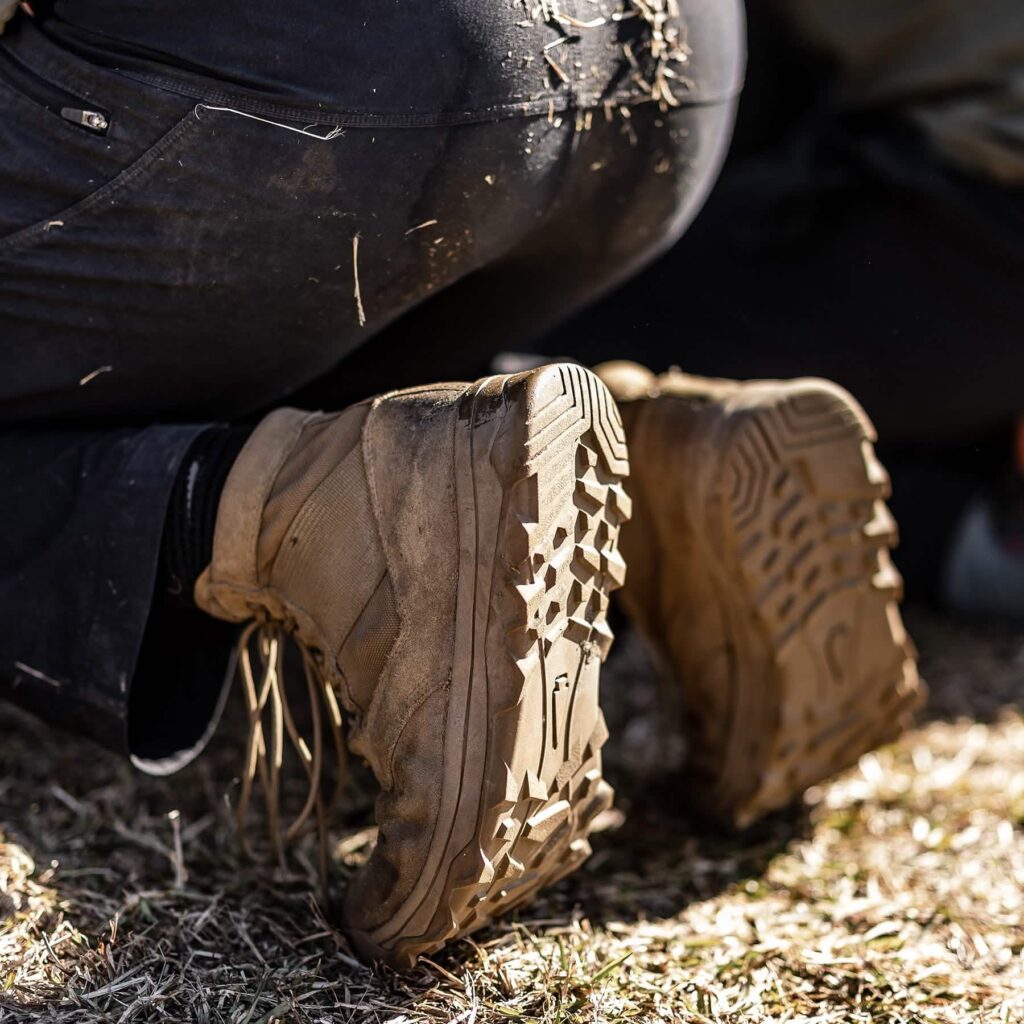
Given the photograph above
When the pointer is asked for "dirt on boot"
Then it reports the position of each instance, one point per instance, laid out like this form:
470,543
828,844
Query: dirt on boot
443,557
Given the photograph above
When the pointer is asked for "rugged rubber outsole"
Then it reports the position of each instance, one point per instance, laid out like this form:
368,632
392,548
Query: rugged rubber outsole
822,669
540,460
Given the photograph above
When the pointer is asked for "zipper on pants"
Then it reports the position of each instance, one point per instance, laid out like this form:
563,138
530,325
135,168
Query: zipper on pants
65,105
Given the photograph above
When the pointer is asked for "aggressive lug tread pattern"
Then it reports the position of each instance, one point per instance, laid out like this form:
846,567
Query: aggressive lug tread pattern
807,541
560,539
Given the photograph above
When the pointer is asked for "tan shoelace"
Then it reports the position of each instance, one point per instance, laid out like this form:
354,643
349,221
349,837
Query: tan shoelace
269,719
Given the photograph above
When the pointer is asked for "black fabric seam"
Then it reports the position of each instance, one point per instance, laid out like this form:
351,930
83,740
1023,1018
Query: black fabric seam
435,119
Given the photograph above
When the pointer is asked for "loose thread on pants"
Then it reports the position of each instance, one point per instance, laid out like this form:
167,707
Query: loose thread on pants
335,133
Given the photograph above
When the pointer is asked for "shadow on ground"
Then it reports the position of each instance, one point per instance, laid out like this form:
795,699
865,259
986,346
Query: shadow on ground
974,670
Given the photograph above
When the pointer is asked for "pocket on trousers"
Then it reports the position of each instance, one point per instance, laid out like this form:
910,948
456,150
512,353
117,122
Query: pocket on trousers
60,153
53,98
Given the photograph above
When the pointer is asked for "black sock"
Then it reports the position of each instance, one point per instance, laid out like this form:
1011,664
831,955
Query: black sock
192,511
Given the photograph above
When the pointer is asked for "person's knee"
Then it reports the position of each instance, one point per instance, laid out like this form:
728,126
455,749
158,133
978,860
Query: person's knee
688,143
647,172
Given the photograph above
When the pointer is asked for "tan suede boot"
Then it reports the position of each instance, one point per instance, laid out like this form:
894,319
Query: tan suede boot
445,556
759,562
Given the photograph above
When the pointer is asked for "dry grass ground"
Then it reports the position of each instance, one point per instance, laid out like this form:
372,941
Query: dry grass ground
894,893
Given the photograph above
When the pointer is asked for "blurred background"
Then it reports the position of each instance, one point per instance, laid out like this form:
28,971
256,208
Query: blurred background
869,228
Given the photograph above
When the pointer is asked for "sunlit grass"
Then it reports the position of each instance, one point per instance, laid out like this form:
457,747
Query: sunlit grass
896,893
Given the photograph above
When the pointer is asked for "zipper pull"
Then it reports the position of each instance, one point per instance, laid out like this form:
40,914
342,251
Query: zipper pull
91,119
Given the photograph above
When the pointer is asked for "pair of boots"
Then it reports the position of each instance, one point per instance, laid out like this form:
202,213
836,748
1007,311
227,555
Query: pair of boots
444,556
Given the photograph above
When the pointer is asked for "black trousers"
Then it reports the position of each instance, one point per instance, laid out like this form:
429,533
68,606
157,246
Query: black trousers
179,261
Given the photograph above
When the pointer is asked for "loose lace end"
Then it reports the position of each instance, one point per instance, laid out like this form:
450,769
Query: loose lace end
270,719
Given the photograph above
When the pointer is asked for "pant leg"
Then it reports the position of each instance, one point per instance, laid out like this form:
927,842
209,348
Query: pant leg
83,518
620,205
181,267
633,183
209,271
